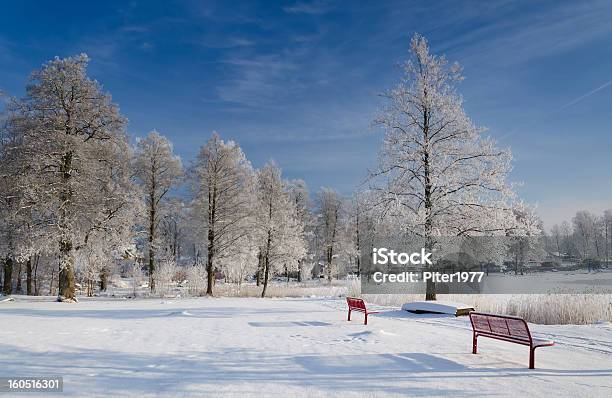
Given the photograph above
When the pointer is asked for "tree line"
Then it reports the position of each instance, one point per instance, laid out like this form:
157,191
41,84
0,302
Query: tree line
587,237
78,197
77,200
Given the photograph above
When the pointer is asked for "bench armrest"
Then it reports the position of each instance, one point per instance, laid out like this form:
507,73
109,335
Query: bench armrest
541,343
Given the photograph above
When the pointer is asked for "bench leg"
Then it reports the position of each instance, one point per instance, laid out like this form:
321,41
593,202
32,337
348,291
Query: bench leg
474,343
365,320
532,357
349,315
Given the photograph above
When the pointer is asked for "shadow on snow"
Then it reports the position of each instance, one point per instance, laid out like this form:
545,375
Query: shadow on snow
114,373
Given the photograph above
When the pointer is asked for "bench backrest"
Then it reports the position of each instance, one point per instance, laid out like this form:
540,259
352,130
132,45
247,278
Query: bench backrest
510,327
354,302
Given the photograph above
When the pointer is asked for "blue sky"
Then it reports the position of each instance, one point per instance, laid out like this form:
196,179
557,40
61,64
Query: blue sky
298,81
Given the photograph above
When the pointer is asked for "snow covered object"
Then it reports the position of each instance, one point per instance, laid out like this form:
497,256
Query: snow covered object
438,307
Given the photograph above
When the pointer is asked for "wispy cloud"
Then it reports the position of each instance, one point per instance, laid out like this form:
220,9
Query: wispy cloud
258,81
314,7
512,40
226,42
146,46
582,97
135,28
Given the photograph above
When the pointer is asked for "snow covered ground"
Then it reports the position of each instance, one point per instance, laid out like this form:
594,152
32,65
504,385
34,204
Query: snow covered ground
285,347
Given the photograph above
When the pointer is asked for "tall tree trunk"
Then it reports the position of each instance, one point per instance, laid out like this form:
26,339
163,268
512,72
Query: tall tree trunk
103,279
606,244
18,287
357,244
152,211
430,289
259,273
266,276
212,218
210,271
330,249
7,286
67,286
329,258
300,266
516,263
267,264
36,282
29,286
52,279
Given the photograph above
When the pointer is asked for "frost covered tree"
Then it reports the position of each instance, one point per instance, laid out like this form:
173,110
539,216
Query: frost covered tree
556,237
359,226
361,219
20,240
566,233
587,234
164,274
242,262
173,227
607,226
329,218
437,172
23,240
79,160
224,186
196,276
279,228
158,170
523,238
366,220
298,193
18,226
93,263
134,272
10,199
588,237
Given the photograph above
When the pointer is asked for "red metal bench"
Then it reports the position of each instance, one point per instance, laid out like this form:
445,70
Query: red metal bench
357,304
506,328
